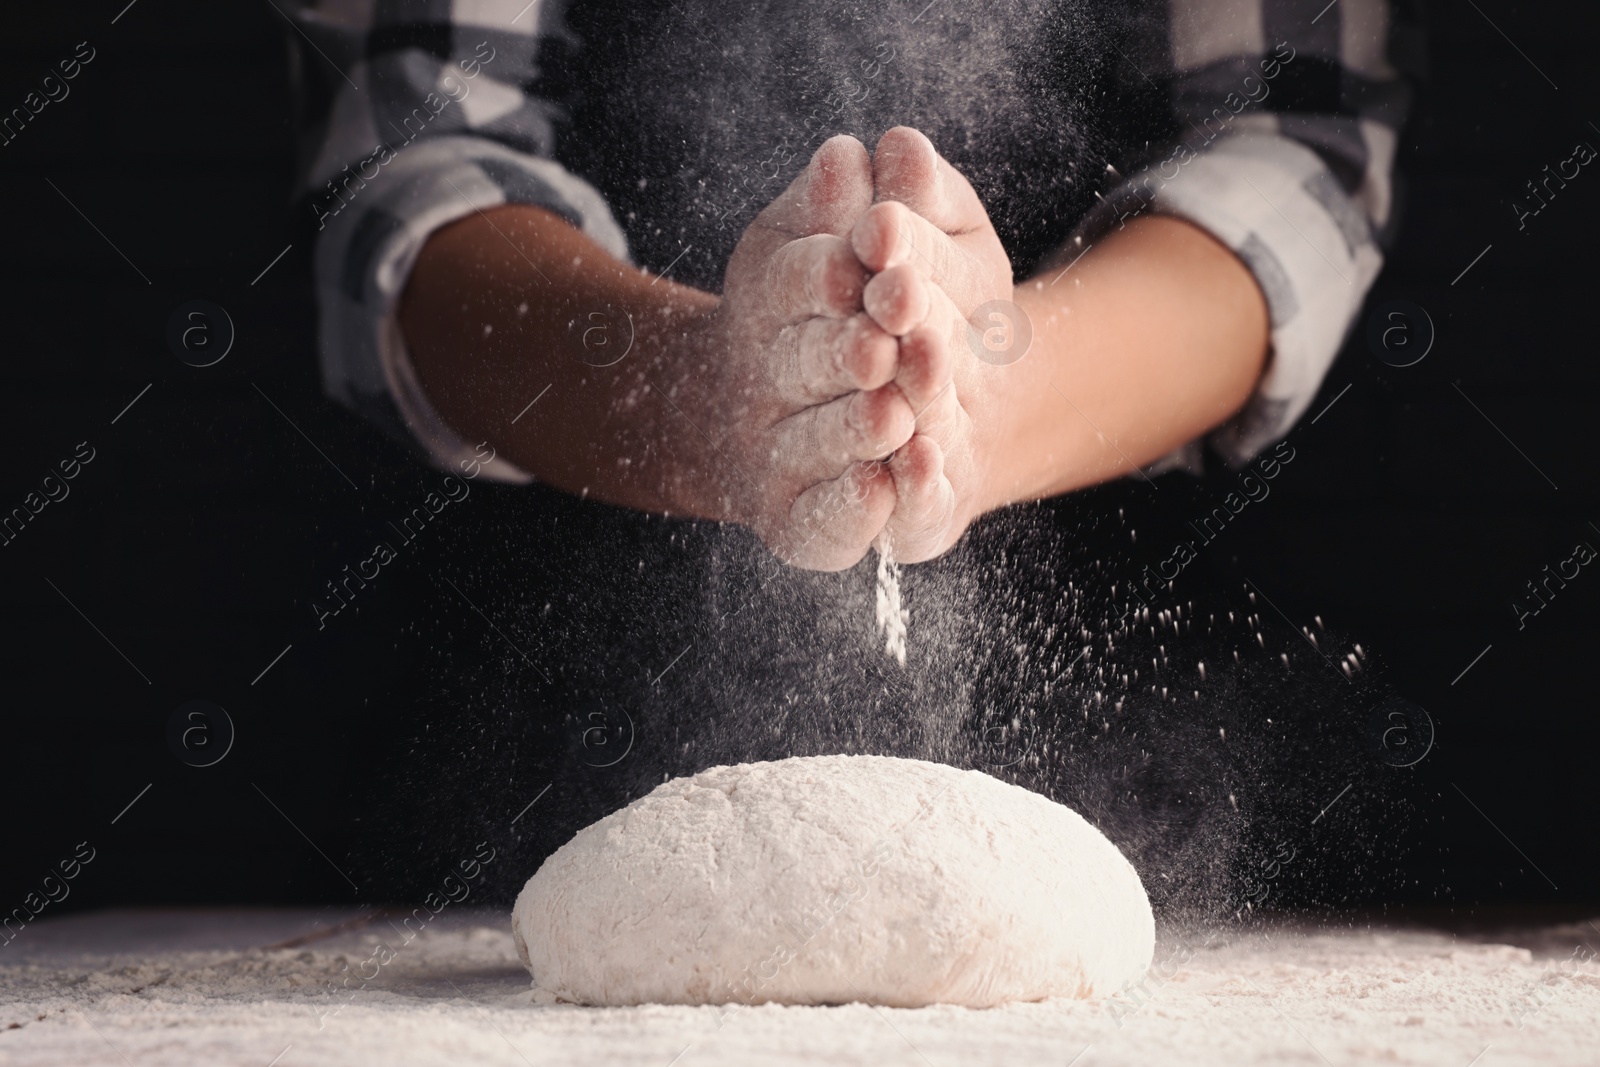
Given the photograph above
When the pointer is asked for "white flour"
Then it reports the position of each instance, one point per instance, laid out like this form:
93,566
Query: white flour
893,620
103,989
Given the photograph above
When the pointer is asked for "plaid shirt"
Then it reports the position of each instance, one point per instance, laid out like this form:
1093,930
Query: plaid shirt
424,111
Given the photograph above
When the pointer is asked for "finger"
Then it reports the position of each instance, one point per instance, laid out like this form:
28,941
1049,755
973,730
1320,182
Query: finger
891,234
925,372
822,359
906,168
898,299
822,442
828,196
832,524
925,502
816,275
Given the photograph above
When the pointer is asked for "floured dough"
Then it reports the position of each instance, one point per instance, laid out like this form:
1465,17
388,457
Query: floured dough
833,879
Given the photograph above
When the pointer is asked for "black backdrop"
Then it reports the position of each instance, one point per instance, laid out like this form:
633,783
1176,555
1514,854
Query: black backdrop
220,499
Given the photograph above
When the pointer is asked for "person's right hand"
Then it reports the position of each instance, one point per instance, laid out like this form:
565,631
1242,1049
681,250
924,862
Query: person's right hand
807,395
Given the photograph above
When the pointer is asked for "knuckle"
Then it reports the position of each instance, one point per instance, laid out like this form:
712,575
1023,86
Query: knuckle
843,360
896,212
868,351
900,221
828,276
872,416
786,348
840,281
858,419
814,279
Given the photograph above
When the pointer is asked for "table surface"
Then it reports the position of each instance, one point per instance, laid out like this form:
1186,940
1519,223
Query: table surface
294,988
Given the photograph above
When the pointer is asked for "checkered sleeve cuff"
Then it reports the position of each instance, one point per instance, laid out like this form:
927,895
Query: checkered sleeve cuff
1276,205
365,254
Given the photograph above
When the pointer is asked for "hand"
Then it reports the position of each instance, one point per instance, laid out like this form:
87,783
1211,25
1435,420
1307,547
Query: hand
936,259
809,385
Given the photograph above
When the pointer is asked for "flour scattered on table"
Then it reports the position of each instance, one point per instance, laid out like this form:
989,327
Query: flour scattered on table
893,619
183,988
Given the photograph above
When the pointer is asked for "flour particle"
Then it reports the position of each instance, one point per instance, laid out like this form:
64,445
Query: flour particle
893,619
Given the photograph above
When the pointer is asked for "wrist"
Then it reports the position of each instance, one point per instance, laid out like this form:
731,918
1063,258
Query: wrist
685,352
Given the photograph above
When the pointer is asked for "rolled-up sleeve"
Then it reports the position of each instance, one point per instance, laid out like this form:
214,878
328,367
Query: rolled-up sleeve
1288,114
420,112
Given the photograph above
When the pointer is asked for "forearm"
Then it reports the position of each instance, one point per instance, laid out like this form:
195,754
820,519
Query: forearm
1154,337
515,304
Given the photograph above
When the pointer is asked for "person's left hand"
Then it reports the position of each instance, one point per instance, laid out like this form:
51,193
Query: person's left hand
937,261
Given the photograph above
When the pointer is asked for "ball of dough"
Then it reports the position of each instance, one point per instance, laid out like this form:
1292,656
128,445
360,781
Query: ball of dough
830,880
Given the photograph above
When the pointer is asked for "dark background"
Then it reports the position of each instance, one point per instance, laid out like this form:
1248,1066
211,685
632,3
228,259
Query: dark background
184,560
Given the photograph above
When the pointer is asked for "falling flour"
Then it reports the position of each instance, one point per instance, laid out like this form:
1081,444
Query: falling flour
831,880
893,619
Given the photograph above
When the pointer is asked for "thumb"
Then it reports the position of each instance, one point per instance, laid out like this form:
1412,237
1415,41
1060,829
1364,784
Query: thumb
828,197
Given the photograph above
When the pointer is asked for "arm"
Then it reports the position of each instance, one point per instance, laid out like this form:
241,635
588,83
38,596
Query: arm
1287,121
763,407
500,311
437,118
1224,276
460,271
1153,338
